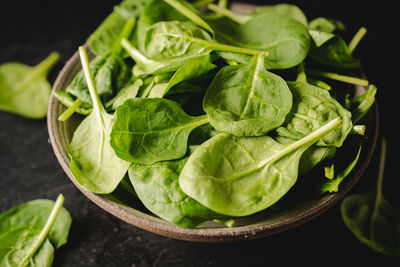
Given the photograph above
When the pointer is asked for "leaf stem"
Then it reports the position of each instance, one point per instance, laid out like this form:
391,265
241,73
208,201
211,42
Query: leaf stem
339,77
358,129
240,19
190,14
307,140
134,53
301,75
97,106
356,39
45,66
125,32
42,235
236,49
70,110
201,3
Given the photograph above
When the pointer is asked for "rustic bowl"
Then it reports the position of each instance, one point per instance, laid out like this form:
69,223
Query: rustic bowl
259,225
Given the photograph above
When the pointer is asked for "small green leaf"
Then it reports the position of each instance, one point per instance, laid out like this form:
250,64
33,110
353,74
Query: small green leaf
24,90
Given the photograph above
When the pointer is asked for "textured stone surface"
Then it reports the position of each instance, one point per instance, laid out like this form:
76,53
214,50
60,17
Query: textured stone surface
30,30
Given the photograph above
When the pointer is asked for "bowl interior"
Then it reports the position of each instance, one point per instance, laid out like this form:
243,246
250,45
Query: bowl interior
287,214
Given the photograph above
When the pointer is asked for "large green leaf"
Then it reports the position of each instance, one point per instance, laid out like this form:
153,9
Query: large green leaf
148,130
247,100
93,162
239,176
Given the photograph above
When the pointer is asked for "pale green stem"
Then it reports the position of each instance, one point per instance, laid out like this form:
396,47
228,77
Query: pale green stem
125,32
339,77
329,171
319,83
301,75
228,223
147,90
200,120
236,49
358,129
70,110
356,39
201,3
190,14
240,19
223,3
134,53
42,235
307,140
45,66
97,106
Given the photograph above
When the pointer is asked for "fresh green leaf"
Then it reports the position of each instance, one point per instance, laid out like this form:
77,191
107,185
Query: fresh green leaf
130,91
148,130
314,107
157,186
93,162
169,40
285,39
191,69
239,176
25,90
30,231
247,100
110,74
372,218
107,36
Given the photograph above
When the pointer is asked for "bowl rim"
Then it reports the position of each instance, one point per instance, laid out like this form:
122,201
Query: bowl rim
159,226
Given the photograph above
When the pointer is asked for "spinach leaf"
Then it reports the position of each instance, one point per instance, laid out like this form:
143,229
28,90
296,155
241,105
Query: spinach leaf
314,107
154,11
167,40
288,10
146,66
191,69
24,90
157,186
110,74
239,176
31,231
326,25
148,130
130,91
329,48
286,40
372,218
247,100
93,162
106,38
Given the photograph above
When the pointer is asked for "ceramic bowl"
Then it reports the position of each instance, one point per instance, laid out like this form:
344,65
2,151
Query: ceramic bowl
262,224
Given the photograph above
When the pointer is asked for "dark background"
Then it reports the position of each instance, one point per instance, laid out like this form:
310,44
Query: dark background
30,30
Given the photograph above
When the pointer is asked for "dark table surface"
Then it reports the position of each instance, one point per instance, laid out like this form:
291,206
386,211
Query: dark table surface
30,30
